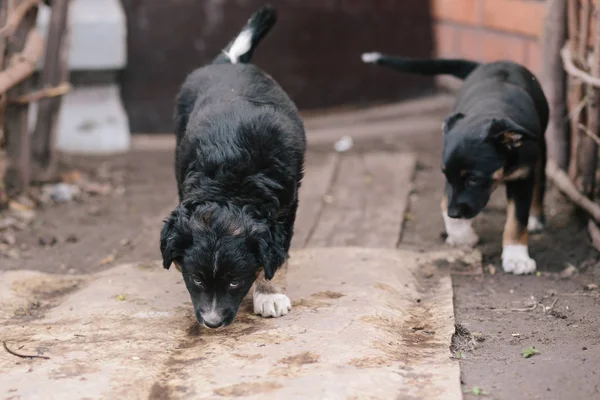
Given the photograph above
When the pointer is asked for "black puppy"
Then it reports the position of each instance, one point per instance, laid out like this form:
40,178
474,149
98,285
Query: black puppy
239,162
495,134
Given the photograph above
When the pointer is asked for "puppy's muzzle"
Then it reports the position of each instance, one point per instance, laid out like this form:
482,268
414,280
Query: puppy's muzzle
461,210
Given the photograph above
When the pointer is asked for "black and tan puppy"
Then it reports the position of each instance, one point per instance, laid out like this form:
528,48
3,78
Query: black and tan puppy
494,135
239,163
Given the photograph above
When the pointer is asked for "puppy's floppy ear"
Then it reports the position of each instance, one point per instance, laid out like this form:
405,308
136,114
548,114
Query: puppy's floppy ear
175,236
450,121
271,253
508,134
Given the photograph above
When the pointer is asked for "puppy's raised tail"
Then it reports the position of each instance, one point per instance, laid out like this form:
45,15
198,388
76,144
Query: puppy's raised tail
241,48
455,67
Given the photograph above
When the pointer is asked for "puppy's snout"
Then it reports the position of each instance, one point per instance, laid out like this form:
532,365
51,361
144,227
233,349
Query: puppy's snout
461,210
213,324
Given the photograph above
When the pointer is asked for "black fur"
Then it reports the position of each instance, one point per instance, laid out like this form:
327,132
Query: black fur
239,163
495,99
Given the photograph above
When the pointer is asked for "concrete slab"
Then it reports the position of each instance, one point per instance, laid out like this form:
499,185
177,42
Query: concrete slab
90,20
366,324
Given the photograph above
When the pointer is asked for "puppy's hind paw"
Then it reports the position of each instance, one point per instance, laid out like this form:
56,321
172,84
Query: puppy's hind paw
370,58
516,260
535,224
271,304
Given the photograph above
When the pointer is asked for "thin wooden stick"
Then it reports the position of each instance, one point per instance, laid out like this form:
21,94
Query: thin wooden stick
59,90
554,80
23,52
574,92
566,186
589,159
55,71
572,70
594,232
23,64
16,16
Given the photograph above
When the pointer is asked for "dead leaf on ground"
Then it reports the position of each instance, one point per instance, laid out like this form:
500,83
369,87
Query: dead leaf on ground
590,287
108,259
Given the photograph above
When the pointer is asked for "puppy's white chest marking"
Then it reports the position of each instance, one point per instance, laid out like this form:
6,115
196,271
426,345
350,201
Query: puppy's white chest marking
516,260
460,232
271,304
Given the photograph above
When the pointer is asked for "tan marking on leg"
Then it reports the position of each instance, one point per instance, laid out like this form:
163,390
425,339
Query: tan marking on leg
537,202
444,204
498,175
177,266
276,285
514,232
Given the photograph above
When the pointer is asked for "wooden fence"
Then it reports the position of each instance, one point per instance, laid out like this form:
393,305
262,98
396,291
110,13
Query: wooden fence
26,157
571,51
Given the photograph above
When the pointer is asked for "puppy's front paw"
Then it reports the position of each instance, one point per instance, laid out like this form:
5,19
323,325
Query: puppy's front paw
516,260
460,232
534,224
271,304
465,239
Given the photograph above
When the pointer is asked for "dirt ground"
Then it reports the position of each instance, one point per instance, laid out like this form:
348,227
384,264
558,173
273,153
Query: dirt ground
498,315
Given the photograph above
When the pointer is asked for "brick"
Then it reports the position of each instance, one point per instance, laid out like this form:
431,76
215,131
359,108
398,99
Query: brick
534,57
502,46
517,16
461,11
469,43
445,39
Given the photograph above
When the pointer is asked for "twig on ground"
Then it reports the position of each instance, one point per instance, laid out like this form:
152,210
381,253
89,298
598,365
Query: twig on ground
551,307
526,309
14,353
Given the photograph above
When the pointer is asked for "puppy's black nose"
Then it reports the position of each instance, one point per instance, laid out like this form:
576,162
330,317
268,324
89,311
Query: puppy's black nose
213,324
454,212
465,210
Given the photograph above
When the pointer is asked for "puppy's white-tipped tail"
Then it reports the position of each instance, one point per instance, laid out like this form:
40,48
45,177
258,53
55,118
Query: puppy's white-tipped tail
371,58
241,45
241,48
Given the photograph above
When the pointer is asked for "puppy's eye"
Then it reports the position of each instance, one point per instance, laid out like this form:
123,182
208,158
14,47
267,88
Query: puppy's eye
233,284
470,181
197,282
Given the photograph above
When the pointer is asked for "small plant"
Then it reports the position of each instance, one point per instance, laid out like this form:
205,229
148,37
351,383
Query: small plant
530,351
475,391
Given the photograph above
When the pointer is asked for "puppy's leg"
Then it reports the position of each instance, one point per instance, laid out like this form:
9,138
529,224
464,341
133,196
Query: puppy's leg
535,222
460,231
269,297
515,254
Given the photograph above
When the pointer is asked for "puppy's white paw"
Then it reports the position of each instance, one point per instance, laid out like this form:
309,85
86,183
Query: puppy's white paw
271,304
370,58
460,232
516,260
534,224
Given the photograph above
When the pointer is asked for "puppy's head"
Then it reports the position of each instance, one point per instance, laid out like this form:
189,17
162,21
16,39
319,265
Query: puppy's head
220,250
477,154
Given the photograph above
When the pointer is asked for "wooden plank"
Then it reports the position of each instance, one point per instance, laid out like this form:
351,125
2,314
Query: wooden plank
318,176
18,147
54,73
369,198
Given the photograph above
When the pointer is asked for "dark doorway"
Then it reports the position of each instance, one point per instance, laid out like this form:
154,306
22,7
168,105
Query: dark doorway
313,51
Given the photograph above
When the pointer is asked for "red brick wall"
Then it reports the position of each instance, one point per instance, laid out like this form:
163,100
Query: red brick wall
489,30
